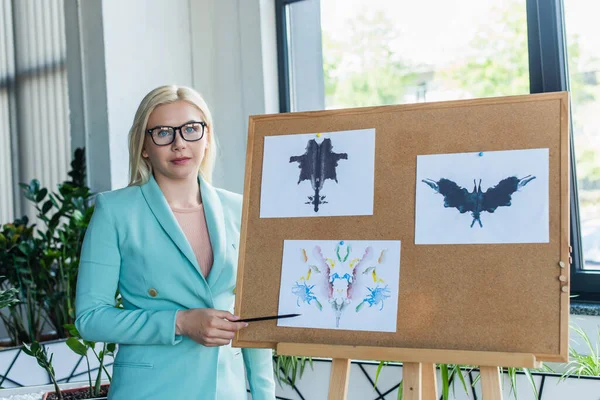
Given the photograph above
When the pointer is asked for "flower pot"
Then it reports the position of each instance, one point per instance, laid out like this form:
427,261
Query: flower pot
78,393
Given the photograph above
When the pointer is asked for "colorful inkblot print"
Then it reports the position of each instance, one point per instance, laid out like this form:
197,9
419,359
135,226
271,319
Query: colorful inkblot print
341,284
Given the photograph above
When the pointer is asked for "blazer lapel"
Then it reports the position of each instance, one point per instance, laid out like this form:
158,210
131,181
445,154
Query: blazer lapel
215,220
161,210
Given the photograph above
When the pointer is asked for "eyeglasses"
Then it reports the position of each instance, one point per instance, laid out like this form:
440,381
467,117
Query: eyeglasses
165,135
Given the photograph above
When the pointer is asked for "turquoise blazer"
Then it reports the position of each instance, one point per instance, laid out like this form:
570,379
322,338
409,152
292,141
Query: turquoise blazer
134,243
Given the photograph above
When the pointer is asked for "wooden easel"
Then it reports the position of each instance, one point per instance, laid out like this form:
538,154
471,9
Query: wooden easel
537,121
418,366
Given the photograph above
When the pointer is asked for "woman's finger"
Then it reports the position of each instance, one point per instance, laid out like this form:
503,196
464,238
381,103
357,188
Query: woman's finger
229,326
226,315
220,334
216,342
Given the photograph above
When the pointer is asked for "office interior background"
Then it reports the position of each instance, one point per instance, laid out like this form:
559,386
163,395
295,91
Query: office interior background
72,73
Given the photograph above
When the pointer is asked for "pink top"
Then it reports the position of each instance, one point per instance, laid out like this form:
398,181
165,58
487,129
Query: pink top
193,224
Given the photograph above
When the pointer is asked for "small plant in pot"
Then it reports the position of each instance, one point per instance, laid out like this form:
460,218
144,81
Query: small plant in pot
80,347
44,360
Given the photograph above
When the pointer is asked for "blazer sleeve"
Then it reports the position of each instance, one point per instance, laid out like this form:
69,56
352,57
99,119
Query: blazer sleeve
259,371
97,318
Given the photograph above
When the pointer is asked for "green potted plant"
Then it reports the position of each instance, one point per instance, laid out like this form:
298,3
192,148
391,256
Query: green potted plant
41,263
48,258
82,347
21,270
65,216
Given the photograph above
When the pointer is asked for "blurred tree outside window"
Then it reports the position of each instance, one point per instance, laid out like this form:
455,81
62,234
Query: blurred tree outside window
388,52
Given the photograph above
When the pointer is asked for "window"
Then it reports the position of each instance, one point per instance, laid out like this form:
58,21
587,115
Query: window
583,39
34,122
381,52
389,52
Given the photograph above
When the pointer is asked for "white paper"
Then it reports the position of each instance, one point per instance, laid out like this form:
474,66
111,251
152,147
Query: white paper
282,195
349,285
525,220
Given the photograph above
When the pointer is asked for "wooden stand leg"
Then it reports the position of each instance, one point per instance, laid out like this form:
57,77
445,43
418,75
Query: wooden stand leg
429,381
412,381
491,388
338,380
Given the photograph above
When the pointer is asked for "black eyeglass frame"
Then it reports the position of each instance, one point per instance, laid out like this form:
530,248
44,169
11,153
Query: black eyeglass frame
175,129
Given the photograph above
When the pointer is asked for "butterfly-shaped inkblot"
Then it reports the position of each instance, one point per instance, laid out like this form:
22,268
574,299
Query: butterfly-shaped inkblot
478,201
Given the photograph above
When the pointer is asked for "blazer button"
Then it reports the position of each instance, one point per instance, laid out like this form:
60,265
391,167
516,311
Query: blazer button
152,292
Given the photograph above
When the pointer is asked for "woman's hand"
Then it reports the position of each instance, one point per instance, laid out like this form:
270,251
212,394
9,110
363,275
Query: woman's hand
208,326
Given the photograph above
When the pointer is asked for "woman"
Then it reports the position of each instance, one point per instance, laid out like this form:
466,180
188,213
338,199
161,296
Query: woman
168,242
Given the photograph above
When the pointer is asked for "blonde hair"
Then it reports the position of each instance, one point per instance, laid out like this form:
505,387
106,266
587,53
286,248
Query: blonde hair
140,168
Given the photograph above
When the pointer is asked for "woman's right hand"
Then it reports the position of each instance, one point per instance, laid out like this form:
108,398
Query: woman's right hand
208,326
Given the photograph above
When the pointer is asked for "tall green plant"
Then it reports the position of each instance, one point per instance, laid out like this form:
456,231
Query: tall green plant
65,216
21,268
42,264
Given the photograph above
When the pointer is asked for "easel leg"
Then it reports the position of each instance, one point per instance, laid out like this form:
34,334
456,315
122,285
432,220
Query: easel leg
491,388
429,381
412,381
338,380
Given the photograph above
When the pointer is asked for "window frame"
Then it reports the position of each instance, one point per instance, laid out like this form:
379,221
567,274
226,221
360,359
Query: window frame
299,17
548,72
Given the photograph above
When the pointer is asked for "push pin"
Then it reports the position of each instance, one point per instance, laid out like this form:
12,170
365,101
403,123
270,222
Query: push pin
318,135
564,289
562,278
481,154
562,264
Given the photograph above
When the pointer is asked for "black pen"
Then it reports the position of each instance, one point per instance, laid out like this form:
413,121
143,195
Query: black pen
267,318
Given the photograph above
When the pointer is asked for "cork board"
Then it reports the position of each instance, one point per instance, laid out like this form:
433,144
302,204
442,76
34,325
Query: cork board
493,298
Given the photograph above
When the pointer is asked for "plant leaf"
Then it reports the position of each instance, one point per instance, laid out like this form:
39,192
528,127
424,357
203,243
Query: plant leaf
77,346
46,207
379,368
445,383
41,195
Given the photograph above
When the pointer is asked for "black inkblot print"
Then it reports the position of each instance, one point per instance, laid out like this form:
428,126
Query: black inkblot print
477,201
318,164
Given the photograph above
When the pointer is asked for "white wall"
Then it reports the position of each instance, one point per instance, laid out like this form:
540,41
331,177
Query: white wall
146,44
126,49
235,68
226,49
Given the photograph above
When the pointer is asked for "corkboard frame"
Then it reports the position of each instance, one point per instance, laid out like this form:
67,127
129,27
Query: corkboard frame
514,300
